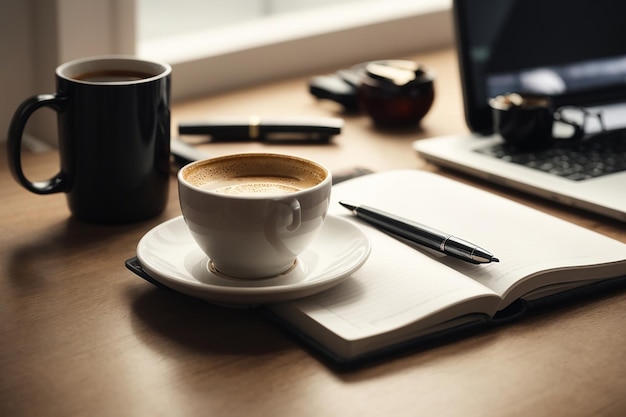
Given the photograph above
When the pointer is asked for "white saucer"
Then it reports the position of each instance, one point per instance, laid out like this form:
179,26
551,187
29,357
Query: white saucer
169,254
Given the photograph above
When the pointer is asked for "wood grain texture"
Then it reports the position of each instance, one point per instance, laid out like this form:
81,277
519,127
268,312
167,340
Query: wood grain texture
82,336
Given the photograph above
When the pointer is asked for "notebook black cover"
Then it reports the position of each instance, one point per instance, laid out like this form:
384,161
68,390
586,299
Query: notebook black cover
516,311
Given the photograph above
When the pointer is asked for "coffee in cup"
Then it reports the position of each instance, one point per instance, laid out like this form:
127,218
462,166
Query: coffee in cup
253,214
112,76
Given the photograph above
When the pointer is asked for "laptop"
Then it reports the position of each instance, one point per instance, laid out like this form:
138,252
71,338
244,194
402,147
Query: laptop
571,50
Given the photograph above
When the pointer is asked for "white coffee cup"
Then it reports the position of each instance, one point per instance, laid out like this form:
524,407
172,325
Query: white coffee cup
253,214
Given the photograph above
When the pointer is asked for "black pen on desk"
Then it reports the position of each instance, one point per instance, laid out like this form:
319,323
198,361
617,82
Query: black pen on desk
183,154
306,129
423,235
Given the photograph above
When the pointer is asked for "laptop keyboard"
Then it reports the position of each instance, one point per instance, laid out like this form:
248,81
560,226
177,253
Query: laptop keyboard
601,154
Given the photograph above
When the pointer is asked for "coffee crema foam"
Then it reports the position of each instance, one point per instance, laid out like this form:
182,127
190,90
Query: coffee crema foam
255,175
254,185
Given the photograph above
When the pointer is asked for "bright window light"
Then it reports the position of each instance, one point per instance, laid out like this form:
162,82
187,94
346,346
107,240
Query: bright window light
281,37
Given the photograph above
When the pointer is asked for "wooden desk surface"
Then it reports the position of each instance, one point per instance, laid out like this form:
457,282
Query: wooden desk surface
81,335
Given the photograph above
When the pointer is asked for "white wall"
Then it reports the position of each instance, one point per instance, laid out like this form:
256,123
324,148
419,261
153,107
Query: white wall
38,35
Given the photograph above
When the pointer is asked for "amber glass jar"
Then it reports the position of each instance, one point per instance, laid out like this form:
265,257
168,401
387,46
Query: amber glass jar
396,92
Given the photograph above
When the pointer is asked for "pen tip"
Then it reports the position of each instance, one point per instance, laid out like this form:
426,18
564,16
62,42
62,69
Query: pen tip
494,259
349,206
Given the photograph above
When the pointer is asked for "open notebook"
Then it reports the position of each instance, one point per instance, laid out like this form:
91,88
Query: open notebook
572,50
405,294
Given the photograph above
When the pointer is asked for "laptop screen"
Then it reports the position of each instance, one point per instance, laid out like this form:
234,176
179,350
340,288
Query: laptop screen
572,50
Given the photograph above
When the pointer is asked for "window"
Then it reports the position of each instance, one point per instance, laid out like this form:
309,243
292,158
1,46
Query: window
216,46
162,18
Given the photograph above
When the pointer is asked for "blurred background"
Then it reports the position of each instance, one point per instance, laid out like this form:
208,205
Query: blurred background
212,45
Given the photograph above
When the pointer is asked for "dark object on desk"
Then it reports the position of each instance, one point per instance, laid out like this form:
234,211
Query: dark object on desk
422,235
340,87
396,92
292,130
392,92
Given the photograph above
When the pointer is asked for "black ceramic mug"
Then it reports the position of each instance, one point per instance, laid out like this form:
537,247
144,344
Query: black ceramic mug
526,120
113,116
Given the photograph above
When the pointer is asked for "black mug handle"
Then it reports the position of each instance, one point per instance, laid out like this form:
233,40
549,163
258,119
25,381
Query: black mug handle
579,130
59,182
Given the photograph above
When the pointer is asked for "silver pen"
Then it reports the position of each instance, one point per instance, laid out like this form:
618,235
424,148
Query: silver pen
423,235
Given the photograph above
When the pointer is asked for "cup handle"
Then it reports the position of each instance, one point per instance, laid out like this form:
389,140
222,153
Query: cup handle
296,212
59,182
274,231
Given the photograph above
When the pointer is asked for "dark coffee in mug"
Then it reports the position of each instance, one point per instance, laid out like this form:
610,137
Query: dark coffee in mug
113,119
111,76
